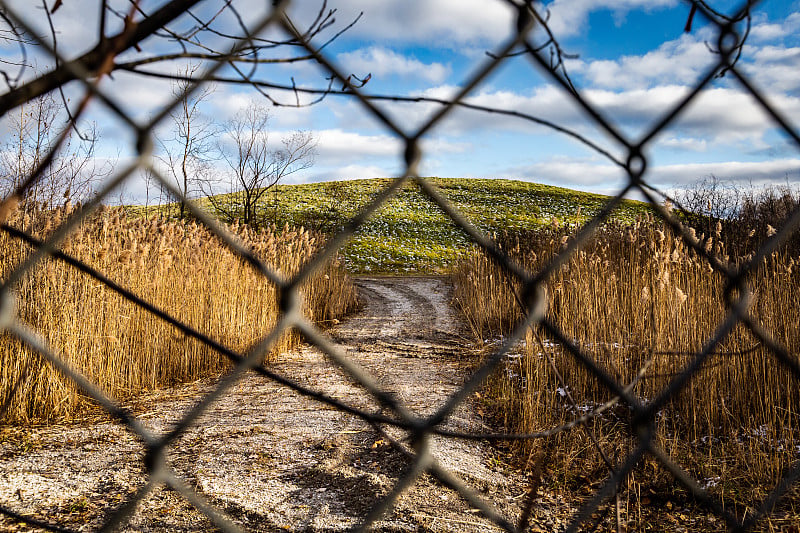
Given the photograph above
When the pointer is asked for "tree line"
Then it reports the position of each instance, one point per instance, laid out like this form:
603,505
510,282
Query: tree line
233,163
49,155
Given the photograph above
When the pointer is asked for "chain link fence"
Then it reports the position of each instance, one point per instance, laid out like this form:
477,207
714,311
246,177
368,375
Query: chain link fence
89,69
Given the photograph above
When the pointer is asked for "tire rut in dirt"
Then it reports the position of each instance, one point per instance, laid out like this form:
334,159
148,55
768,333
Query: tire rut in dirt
404,317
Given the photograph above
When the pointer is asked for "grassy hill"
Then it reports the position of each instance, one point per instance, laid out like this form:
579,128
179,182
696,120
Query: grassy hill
411,234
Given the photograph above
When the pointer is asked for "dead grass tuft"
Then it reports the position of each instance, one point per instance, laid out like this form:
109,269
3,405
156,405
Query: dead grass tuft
637,298
179,267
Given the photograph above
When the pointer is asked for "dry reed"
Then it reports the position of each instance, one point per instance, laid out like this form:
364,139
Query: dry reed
181,268
636,295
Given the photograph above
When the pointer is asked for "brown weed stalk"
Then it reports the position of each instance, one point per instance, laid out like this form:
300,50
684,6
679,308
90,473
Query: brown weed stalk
637,296
181,268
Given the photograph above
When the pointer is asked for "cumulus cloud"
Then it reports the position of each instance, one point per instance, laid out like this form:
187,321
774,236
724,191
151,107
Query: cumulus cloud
685,143
444,23
683,60
716,116
572,172
719,115
767,32
339,145
547,102
730,115
71,21
686,59
348,172
382,62
759,173
226,102
720,119
569,17
609,179
76,23
774,68
140,97
770,31
344,155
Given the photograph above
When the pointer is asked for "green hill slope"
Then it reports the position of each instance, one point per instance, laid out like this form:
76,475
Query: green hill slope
411,234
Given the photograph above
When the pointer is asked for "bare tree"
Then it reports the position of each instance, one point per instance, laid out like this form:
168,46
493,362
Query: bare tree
212,33
74,169
180,30
256,165
707,202
188,153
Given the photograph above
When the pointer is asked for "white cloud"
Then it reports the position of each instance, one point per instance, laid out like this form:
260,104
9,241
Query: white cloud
338,145
719,115
610,179
774,68
716,116
766,31
776,54
681,61
633,91
573,173
547,102
686,59
438,145
718,119
728,115
758,173
71,21
382,62
140,97
345,155
348,172
228,103
685,143
76,23
445,23
569,17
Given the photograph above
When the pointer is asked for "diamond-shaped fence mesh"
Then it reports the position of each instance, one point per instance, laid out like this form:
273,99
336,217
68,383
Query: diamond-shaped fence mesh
90,68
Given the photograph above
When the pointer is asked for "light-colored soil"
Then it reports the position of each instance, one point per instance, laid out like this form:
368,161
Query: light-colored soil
271,459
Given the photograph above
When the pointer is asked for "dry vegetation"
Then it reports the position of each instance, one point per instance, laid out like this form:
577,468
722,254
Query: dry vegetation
179,267
636,295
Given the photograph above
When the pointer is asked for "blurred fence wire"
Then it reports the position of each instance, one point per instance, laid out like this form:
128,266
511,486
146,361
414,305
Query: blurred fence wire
530,37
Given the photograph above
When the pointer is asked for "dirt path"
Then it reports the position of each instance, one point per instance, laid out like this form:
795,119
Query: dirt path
274,460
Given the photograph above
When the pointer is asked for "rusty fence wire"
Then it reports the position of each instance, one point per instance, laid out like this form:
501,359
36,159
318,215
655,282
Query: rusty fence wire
731,30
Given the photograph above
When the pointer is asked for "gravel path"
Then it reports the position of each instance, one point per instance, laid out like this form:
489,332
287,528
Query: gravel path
273,460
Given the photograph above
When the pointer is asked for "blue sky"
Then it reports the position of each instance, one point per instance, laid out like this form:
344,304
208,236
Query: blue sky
634,61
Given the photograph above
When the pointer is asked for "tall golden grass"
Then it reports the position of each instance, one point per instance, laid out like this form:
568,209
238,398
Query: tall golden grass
637,297
181,268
